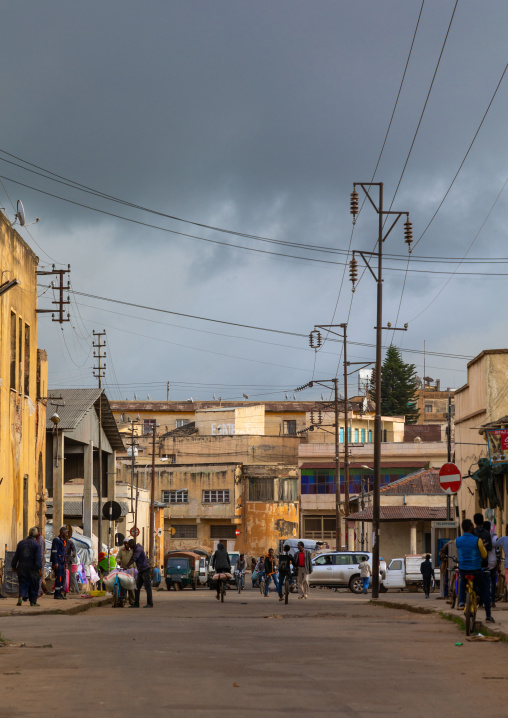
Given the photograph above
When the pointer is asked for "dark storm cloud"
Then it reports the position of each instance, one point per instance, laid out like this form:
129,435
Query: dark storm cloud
256,117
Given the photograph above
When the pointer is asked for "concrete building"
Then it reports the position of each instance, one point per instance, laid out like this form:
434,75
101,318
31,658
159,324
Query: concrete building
481,403
72,450
413,517
23,381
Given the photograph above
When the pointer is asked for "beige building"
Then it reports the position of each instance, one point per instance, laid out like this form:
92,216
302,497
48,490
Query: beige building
23,381
413,517
481,401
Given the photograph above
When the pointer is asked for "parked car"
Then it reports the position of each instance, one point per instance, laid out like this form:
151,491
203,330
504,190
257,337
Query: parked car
309,545
404,572
339,569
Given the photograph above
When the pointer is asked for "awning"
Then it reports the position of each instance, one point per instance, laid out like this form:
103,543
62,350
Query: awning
402,513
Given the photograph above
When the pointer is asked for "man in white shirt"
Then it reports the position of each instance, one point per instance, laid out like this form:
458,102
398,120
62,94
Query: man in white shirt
365,573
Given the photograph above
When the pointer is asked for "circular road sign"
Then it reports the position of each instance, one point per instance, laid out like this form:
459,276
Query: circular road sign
450,478
111,511
134,531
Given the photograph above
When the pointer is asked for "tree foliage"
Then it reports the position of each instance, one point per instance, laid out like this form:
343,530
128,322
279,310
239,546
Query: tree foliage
399,386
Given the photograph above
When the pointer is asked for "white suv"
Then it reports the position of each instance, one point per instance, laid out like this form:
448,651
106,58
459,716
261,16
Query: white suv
339,569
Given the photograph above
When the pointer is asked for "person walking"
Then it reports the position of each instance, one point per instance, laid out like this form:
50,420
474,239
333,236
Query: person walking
42,579
221,563
27,563
303,563
492,566
271,573
502,542
72,566
241,567
140,559
427,571
285,567
59,561
471,552
365,573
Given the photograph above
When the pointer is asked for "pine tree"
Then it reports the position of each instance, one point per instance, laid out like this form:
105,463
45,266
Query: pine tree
399,387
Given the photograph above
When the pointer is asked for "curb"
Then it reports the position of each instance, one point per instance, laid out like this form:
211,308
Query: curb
71,611
456,618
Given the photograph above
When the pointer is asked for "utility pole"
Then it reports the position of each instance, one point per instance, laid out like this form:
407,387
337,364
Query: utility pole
99,372
133,445
408,233
167,391
61,288
449,442
152,502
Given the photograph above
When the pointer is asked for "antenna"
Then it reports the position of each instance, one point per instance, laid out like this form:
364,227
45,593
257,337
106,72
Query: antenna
20,216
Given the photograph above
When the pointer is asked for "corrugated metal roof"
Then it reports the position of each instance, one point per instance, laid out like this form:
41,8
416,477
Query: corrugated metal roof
422,482
402,513
76,405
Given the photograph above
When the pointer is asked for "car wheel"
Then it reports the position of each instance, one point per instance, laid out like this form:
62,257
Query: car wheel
168,584
382,589
356,585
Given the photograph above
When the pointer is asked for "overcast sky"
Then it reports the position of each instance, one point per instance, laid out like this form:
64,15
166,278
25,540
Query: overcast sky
256,117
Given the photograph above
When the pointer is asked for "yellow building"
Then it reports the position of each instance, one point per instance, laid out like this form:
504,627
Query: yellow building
23,379
481,401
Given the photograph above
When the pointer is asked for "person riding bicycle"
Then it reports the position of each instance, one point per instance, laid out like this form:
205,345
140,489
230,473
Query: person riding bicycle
240,569
285,566
471,552
221,563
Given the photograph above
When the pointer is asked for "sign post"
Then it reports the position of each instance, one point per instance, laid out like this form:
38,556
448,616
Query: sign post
451,480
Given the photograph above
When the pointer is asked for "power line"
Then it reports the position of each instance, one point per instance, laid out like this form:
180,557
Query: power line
245,326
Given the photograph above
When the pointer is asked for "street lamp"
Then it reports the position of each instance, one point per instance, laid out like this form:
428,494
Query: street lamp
408,238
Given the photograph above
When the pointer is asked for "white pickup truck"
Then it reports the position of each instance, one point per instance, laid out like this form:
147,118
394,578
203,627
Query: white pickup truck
404,572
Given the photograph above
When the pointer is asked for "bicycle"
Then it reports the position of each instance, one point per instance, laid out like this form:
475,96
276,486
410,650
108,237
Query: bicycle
501,594
239,578
471,606
288,585
222,587
453,582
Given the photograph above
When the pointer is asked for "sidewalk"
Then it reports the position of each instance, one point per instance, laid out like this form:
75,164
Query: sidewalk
73,604
417,603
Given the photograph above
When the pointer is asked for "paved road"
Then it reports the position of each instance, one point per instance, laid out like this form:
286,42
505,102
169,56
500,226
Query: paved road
332,655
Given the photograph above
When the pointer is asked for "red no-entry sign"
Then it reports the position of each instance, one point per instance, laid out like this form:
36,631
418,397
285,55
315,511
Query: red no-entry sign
450,478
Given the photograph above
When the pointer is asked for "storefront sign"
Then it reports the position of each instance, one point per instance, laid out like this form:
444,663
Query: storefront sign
498,445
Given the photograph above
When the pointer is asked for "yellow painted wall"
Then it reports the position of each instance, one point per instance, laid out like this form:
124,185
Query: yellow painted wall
22,440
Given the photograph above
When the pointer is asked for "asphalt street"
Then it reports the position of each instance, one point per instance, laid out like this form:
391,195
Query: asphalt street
334,654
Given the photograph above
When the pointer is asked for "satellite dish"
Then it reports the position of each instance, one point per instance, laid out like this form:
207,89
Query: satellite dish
20,215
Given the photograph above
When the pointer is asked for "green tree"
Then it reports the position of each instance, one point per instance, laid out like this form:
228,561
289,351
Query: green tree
399,387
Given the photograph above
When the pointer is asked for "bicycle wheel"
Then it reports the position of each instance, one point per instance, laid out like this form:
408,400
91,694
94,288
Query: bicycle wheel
470,612
222,590
239,582
116,595
286,589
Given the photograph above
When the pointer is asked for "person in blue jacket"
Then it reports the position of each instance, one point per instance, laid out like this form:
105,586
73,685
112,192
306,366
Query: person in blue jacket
27,562
471,551
59,561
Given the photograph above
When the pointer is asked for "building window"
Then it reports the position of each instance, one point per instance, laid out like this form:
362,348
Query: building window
383,435
216,496
170,458
20,355
27,360
13,350
184,531
318,527
428,408
181,422
363,436
370,436
223,532
318,484
357,436
341,434
289,427
261,489
148,425
176,496
288,490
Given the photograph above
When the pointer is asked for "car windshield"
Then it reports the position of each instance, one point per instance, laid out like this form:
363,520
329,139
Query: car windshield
233,557
178,563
